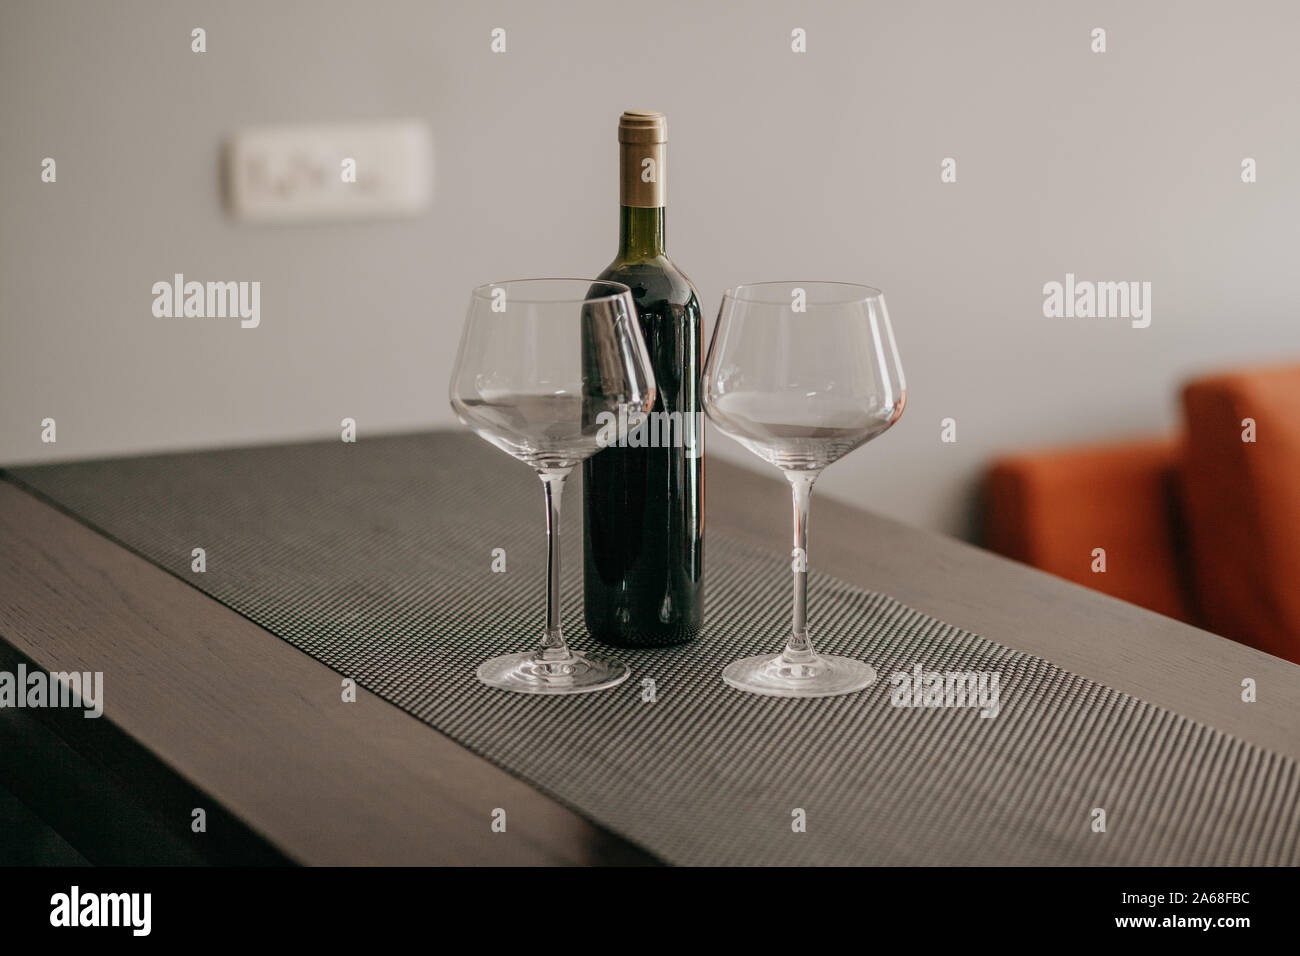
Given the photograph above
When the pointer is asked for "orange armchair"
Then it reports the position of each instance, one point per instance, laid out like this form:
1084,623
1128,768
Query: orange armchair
1241,468
1204,528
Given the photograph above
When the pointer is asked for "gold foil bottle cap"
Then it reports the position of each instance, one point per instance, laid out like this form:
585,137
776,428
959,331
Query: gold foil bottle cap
642,126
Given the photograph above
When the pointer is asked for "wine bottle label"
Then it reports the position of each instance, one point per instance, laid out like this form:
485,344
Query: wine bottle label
643,158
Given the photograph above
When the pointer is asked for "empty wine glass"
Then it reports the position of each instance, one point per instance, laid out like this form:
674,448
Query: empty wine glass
802,373
543,366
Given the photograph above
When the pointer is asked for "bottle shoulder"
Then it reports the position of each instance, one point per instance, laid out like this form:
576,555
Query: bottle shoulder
657,278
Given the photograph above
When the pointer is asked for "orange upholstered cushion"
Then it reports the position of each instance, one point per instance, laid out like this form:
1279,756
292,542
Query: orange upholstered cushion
1243,505
1052,509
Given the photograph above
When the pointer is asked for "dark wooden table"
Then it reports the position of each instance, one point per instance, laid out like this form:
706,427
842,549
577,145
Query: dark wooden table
210,711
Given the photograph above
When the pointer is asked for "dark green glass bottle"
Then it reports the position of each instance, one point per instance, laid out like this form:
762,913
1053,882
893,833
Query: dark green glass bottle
643,500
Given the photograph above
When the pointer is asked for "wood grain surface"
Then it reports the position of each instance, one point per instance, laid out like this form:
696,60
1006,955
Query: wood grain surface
252,724
205,708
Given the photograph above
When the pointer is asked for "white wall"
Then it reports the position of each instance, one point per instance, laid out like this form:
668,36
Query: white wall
1123,165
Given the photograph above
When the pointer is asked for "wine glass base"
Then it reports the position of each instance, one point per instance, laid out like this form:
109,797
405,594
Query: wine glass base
775,676
526,673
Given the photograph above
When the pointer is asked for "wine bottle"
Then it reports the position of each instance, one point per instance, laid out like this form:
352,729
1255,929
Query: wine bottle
643,497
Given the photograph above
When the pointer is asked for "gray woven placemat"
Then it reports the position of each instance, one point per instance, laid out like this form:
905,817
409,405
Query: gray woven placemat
375,558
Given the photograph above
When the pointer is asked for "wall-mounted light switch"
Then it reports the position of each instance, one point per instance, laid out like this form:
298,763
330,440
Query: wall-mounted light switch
334,171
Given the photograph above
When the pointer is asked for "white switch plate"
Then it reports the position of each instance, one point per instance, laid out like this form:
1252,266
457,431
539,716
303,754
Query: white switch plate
297,173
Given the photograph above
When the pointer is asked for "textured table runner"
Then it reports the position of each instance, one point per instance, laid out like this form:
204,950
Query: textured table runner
376,559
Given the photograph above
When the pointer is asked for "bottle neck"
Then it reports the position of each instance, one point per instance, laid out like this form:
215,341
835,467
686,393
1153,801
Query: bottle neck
640,232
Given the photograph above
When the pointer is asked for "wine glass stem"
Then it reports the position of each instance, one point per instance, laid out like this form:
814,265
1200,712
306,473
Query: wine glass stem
799,647
553,647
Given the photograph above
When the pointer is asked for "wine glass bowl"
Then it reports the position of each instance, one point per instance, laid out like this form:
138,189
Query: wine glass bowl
801,374
522,381
544,366
809,438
